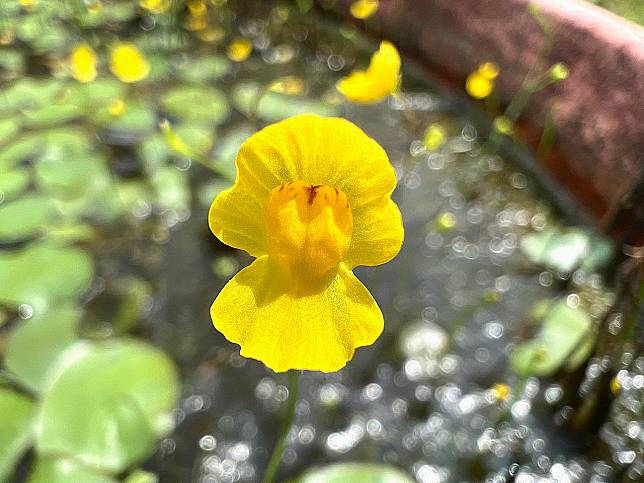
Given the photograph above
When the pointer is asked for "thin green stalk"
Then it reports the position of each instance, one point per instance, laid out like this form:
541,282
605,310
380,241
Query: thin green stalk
276,457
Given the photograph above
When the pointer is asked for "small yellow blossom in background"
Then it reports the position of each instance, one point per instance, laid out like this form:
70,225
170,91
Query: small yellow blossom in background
445,222
289,85
364,8
197,8
501,391
311,201
29,5
128,63
615,386
6,37
239,50
177,144
212,34
381,79
480,83
558,72
155,6
83,63
434,136
94,7
116,108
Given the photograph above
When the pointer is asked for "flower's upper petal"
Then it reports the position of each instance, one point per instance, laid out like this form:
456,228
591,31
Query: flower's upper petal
260,310
381,79
326,151
380,236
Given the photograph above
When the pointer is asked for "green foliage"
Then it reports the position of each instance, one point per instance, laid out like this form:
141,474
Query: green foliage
16,429
356,473
565,340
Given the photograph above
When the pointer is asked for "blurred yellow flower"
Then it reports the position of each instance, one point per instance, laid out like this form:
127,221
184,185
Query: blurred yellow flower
29,5
480,83
381,78
155,6
501,391
197,8
434,136
364,8
289,85
116,108
239,50
312,200
128,63
83,63
6,37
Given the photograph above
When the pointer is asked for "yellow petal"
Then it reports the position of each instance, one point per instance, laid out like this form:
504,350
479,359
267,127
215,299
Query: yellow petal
83,63
380,235
381,79
321,151
261,311
364,8
128,63
239,50
155,6
478,86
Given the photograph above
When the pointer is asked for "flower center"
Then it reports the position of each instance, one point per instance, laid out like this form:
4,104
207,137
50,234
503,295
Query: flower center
308,228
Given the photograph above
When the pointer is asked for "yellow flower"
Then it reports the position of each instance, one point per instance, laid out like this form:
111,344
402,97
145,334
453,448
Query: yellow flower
155,6
311,201
364,8
29,5
480,83
381,79
501,391
240,50
83,63
116,108
434,136
128,63
289,85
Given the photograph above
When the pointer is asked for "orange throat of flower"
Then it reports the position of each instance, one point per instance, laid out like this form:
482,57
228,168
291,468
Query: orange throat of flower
308,229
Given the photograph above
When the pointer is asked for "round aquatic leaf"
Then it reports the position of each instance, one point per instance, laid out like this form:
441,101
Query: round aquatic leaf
16,429
51,38
8,129
355,473
19,150
154,152
172,190
30,94
137,118
205,69
566,250
65,142
98,93
42,274
25,217
73,178
35,344
12,62
205,105
117,12
565,338
275,107
108,404
13,183
65,470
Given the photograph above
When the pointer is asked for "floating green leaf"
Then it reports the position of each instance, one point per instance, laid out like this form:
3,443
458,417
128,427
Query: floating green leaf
29,93
73,178
565,339
8,129
355,473
172,190
13,183
98,93
35,344
109,403
65,470
204,69
25,217
41,274
204,105
16,429
565,250
275,107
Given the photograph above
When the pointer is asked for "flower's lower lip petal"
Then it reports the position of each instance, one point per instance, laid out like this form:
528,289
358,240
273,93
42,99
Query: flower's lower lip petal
320,331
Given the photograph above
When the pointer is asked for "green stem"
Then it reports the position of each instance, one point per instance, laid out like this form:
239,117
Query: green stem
276,457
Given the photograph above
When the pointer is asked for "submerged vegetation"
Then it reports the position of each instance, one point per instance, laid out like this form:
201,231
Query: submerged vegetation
511,343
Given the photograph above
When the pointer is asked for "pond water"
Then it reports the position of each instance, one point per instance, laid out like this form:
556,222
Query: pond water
459,386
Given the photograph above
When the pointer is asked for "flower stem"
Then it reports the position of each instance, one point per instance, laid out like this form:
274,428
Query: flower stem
276,457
